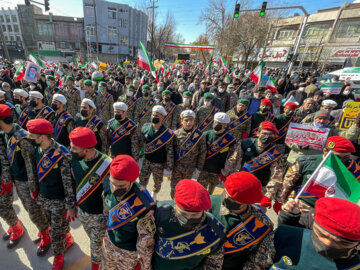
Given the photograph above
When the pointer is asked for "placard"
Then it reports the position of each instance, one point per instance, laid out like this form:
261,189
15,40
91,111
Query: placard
307,135
31,71
102,67
351,111
331,87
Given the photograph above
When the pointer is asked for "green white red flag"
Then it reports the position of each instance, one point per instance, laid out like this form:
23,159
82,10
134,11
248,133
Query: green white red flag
257,73
208,68
271,84
143,60
190,46
227,78
332,179
37,60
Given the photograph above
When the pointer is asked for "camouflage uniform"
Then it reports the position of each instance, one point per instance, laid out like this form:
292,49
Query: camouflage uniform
73,100
169,119
107,112
48,94
35,114
94,97
184,168
18,110
68,126
178,110
140,104
201,114
131,111
243,128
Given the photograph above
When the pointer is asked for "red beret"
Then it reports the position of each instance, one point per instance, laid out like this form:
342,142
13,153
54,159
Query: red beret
269,126
83,137
190,195
291,105
124,167
244,188
4,110
338,216
266,102
39,126
340,144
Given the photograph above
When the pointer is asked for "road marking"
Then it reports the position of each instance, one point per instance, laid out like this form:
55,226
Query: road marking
80,264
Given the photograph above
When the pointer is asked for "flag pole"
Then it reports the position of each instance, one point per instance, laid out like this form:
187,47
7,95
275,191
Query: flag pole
313,174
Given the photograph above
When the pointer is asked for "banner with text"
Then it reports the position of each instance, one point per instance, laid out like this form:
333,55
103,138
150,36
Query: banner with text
306,135
333,88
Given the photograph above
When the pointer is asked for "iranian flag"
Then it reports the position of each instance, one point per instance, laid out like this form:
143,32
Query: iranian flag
37,60
143,60
208,68
227,78
332,179
271,84
256,75
120,66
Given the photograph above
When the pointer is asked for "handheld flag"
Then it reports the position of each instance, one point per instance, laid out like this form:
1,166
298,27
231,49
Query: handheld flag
256,75
208,68
271,84
37,60
143,60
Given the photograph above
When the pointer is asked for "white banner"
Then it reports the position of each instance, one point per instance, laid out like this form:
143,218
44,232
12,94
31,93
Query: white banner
274,54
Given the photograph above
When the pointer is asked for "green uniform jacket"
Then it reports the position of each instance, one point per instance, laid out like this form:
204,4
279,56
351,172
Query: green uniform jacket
243,128
130,112
280,121
80,122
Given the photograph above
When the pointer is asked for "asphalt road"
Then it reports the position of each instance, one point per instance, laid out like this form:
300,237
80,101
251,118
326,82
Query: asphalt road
23,256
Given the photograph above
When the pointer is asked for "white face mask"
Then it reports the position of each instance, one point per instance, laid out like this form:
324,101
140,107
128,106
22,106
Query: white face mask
32,87
302,89
207,103
221,90
346,92
130,93
186,100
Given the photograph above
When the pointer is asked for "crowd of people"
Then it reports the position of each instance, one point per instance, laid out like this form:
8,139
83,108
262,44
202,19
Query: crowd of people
84,143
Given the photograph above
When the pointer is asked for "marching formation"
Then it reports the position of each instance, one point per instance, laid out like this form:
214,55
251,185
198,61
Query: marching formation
83,145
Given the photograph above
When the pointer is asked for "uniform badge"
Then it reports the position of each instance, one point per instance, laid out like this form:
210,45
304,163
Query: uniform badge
149,225
287,260
331,145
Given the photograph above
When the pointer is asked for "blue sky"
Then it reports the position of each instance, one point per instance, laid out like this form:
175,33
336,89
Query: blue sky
186,12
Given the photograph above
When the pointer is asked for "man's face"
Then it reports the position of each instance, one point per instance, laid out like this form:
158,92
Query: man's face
157,115
317,98
32,72
277,102
203,86
119,186
136,83
321,120
87,108
329,109
269,95
120,112
241,107
6,88
127,80
188,123
80,151
189,215
308,105
288,111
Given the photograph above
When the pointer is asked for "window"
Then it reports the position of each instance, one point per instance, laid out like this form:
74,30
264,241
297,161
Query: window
61,29
18,38
7,18
123,41
4,28
45,29
89,10
16,28
2,18
112,32
286,34
90,29
10,28
348,29
13,17
112,13
123,23
11,38
121,10
317,31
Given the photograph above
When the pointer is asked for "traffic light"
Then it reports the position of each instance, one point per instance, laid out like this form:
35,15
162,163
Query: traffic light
237,10
263,8
46,3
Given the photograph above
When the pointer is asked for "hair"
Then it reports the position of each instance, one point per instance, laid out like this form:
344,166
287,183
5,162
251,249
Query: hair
307,99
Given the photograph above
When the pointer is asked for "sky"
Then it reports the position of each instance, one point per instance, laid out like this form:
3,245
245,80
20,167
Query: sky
186,12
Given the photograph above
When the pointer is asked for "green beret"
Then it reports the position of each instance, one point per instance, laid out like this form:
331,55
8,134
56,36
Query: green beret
208,95
103,83
146,87
243,101
50,77
131,86
70,78
166,92
188,94
88,82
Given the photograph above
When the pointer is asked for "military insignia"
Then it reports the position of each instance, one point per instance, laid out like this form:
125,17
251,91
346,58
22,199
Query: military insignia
215,147
187,145
243,237
287,260
331,145
46,163
149,225
94,179
265,159
124,211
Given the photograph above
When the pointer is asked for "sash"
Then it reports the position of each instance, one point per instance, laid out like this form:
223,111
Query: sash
52,92
304,194
191,107
169,109
208,119
270,117
284,129
23,117
10,105
188,244
331,120
71,93
146,108
94,95
48,161
131,102
188,145
60,124
104,102
262,160
12,144
93,179
121,131
245,234
221,143
93,122
129,208
237,122
45,112
354,168
159,141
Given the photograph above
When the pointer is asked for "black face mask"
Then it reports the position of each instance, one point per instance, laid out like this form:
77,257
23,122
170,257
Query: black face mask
84,113
167,99
118,117
266,139
187,223
17,101
264,110
327,251
218,127
33,103
54,106
289,113
8,119
118,193
76,156
345,160
146,94
230,204
155,120
32,141
3,101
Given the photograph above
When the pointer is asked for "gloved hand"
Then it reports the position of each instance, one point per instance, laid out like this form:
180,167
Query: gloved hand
34,195
265,202
222,178
5,188
277,207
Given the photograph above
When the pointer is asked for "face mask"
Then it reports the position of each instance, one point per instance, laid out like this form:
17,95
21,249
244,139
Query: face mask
17,101
32,87
118,117
346,92
289,113
167,99
146,94
266,139
221,90
328,251
231,90
321,126
160,88
302,89
218,127
76,83
48,83
345,160
155,120
54,106
33,103
230,204
32,141
157,100
100,90
186,100
118,193
84,113
207,103
76,156
130,93
264,110
187,223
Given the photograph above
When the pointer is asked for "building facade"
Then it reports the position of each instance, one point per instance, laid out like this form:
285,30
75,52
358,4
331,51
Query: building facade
119,29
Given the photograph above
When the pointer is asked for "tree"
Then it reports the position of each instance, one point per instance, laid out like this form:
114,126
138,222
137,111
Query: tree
203,55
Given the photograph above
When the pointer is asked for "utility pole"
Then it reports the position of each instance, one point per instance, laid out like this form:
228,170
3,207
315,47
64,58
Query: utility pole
96,31
7,55
152,27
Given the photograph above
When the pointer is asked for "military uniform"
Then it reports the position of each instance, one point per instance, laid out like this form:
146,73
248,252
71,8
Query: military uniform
256,119
104,106
18,110
123,138
170,109
178,110
64,123
48,94
157,158
186,163
241,129
202,114
73,99
132,103
215,161
94,97
282,123
45,112
143,109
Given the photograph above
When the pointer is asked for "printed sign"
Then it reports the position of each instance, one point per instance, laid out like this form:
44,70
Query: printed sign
351,111
102,67
306,135
333,88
